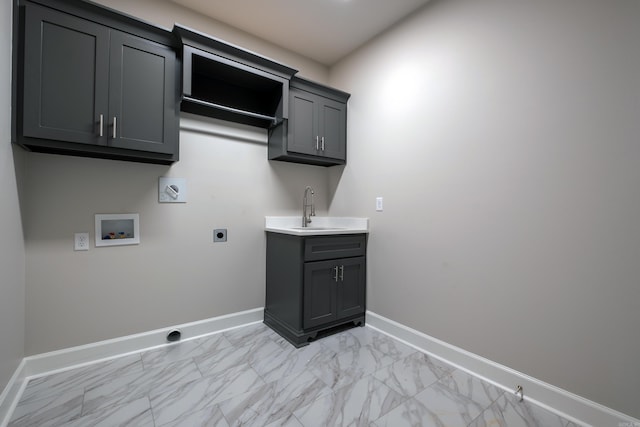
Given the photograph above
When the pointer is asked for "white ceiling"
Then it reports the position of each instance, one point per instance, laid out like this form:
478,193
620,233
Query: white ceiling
323,30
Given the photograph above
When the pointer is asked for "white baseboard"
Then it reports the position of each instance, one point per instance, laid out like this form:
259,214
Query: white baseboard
11,394
568,405
46,363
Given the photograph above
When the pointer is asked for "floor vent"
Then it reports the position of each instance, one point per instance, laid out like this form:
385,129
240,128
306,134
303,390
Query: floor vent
174,335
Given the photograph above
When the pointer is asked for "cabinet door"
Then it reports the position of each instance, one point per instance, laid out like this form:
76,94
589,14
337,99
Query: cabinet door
141,95
333,128
65,76
351,296
303,124
319,293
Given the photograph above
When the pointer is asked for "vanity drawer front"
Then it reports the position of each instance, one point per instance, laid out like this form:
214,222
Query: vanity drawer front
331,247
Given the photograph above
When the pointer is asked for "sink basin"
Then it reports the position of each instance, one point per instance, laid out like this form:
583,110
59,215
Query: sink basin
322,225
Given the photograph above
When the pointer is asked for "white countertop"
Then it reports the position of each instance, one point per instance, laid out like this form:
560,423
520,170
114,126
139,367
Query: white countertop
319,226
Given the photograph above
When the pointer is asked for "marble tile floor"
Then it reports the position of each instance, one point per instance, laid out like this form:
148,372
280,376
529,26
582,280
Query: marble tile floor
250,376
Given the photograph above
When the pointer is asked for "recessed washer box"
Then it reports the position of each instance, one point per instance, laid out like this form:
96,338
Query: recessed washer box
117,229
172,190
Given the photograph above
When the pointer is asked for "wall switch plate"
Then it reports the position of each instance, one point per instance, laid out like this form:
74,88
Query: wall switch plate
220,235
81,242
172,190
379,205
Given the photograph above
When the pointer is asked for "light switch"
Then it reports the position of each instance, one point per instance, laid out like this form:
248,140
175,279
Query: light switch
379,206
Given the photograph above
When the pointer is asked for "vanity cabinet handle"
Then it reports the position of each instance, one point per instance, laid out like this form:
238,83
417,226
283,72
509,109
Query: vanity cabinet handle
335,277
317,142
101,125
342,273
115,134
322,142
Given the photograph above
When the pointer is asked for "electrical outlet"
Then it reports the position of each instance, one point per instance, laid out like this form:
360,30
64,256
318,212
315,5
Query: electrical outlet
220,235
81,242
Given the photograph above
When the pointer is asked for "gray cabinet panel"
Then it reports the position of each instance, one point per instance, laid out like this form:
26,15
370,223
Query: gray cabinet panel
319,293
304,127
65,76
331,247
351,287
285,272
141,81
333,119
333,290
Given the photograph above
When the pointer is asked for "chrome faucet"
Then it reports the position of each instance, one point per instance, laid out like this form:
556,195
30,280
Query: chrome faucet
308,209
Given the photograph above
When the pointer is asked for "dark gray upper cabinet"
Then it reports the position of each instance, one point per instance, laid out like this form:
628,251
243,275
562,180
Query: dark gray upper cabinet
93,90
138,95
66,76
316,132
230,83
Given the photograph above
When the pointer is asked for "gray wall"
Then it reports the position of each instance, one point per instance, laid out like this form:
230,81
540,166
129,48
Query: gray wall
177,274
12,255
504,138
165,13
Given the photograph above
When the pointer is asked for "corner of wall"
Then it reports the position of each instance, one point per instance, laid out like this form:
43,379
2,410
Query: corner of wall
12,254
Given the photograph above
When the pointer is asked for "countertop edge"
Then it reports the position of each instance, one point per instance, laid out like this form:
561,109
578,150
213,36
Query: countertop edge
316,232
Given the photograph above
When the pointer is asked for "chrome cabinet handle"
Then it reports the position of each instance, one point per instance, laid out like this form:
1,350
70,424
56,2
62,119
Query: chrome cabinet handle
101,125
115,134
317,142
322,142
342,273
336,273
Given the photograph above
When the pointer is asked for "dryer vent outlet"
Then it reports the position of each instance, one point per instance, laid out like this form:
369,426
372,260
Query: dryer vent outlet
174,335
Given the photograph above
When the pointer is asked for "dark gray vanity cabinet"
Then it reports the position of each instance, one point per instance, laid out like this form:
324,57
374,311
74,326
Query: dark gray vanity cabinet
333,290
93,90
316,132
315,284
